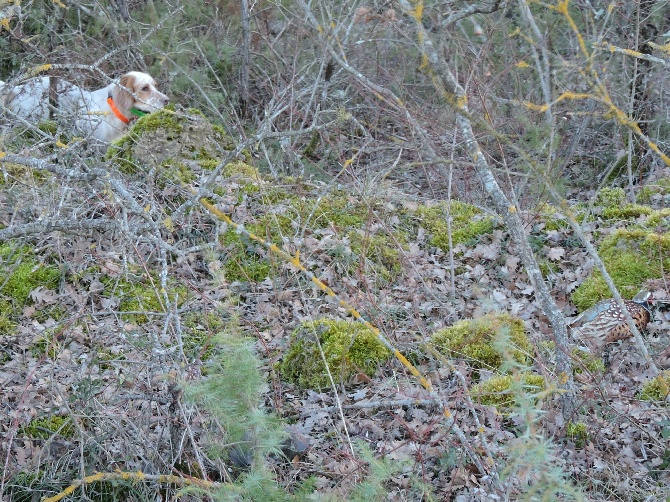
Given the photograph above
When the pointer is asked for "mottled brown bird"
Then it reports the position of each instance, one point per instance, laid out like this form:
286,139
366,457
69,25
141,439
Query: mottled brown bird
605,323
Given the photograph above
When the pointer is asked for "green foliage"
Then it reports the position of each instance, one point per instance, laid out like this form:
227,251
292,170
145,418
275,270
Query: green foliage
592,363
656,389
44,428
472,339
242,262
245,260
233,393
578,433
348,348
631,257
467,223
198,336
501,391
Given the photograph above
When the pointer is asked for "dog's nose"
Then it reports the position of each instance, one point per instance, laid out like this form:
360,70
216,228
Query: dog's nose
165,100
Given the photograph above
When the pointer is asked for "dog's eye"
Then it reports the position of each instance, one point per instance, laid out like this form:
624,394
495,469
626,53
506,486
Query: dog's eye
145,88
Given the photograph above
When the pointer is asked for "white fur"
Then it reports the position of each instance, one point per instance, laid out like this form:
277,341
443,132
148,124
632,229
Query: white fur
89,109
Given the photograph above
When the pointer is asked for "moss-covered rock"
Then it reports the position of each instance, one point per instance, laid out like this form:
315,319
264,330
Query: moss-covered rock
348,348
467,223
500,390
631,257
656,389
169,136
472,339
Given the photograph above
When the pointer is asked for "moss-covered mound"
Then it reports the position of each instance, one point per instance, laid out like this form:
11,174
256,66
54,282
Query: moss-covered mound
631,257
472,340
348,348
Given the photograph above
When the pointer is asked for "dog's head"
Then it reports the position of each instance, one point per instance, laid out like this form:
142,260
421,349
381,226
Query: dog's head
138,90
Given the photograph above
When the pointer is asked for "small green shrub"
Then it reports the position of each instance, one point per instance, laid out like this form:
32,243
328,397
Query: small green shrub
578,433
348,348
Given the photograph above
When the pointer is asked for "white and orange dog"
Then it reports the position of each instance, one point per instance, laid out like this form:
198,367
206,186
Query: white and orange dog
104,114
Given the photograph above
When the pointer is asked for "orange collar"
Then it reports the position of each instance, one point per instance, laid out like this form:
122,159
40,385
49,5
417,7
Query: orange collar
117,112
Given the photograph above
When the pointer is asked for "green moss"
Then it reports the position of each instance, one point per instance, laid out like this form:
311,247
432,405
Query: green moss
176,173
381,250
468,223
610,197
631,257
142,295
587,360
578,433
626,212
348,347
242,262
660,187
657,389
552,218
472,339
23,273
334,211
500,390
44,428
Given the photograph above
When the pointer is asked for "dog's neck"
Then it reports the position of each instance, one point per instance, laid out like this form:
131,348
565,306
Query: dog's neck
117,112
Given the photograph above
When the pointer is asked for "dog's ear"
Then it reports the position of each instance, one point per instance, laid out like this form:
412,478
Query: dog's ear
122,98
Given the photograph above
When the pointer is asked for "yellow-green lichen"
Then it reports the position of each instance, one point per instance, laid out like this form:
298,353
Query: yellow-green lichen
44,428
578,433
472,340
631,257
656,389
348,348
467,223
501,390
